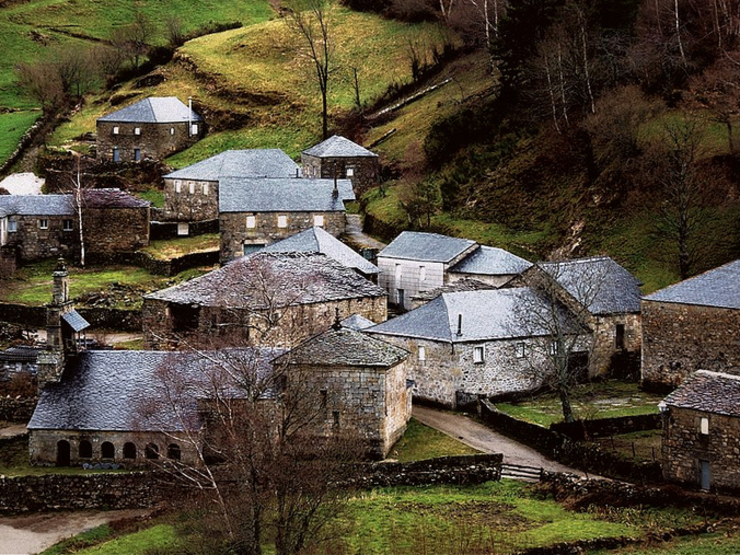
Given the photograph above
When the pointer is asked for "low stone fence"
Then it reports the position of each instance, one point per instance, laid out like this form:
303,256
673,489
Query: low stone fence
460,470
156,266
168,230
17,410
565,450
108,318
605,427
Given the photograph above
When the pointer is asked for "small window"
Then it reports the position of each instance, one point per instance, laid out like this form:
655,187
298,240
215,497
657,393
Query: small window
422,353
324,398
173,451
478,355
422,273
85,449
619,336
318,220
116,130
251,222
194,129
67,225
335,417
553,350
183,228
191,188
107,451
137,130
521,350
116,155
137,154
704,426
172,130
350,172
399,272
178,185
12,225
152,451
205,189
282,221
43,223
129,450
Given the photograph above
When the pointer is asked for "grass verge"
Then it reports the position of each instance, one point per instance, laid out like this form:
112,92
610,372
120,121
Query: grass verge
172,248
422,442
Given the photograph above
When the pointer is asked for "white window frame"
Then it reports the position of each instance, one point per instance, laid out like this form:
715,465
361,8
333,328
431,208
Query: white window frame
282,221
422,352
422,273
205,189
137,130
479,355
43,223
183,229
178,186
251,222
191,188
704,426
318,220
521,350
172,130
116,130
552,349
67,225
350,172
194,129
12,225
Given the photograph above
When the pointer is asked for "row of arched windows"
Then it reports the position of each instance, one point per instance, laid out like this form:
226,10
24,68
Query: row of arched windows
108,451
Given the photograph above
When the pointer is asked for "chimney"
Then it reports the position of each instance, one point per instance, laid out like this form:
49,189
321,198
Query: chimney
297,172
459,325
190,115
335,192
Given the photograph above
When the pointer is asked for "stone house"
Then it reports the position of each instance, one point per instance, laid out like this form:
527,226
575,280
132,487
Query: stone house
338,157
45,226
701,432
604,296
416,262
316,240
255,212
692,325
266,299
154,127
192,193
472,344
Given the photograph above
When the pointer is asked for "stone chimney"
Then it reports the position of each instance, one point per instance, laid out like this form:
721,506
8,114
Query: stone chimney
52,360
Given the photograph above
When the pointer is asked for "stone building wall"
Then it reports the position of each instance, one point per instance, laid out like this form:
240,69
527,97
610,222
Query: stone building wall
235,234
684,447
35,243
155,140
43,444
605,339
296,323
678,339
190,200
109,230
364,170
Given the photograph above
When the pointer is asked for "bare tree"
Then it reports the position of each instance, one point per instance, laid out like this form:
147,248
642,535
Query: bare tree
311,21
134,39
79,205
42,82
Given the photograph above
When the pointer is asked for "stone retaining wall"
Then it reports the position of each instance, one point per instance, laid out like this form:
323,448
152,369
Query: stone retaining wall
155,266
17,410
460,470
604,427
168,230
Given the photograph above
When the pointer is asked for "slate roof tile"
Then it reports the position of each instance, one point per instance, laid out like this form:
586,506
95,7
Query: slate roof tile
431,247
338,147
357,322
240,163
111,198
37,205
75,321
491,261
719,288
465,284
282,195
167,109
713,392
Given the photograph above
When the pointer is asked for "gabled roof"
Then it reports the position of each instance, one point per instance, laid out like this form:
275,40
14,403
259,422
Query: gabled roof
357,322
282,195
599,283
345,347
20,353
719,288
489,314
111,198
271,162
465,284
713,392
123,390
75,321
491,261
426,247
338,147
316,240
293,279
36,205
166,109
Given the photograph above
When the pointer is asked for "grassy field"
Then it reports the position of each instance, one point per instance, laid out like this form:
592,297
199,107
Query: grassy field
422,442
606,399
640,446
172,248
97,542
725,541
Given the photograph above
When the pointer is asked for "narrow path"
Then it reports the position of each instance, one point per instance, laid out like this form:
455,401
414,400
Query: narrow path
356,238
487,440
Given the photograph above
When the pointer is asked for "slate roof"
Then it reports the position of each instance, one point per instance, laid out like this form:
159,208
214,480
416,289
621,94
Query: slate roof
36,205
719,288
316,240
489,314
706,391
75,321
117,390
429,247
345,347
295,278
338,147
282,195
491,261
20,353
163,109
357,322
614,289
240,163
465,284
111,198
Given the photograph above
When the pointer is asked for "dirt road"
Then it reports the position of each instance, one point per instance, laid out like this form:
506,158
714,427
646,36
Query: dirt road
487,440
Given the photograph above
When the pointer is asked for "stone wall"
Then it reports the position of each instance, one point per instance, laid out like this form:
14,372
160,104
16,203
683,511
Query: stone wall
35,243
235,234
604,427
108,318
684,447
108,230
679,339
188,200
407,275
169,230
156,266
155,140
17,410
605,340
460,470
364,170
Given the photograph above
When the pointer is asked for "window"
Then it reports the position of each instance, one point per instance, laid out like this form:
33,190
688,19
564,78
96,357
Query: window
12,225
172,130
553,350
137,154
521,350
422,273
619,336
282,221
173,451
116,155
129,450
400,294
137,130
422,353
478,355
318,220
704,426
85,449
324,398
152,451
67,225
350,172
107,451
116,130
249,248
399,273
251,222
43,223
178,185
183,228
335,417
205,189
194,129
191,188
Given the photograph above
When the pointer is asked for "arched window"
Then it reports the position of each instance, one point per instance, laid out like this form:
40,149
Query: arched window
107,451
173,451
85,449
152,451
129,450
63,453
